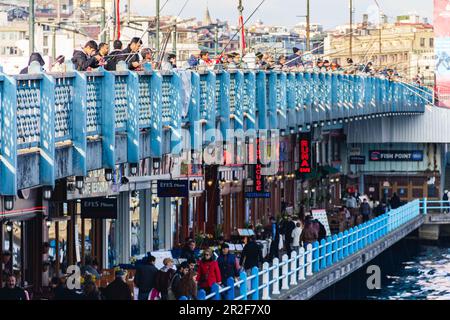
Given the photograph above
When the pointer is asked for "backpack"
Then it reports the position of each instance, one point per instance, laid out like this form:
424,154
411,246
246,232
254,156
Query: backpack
170,292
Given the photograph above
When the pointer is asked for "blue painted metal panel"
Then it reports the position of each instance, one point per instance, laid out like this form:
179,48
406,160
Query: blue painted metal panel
108,120
291,101
8,136
223,103
236,94
171,110
132,120
261,100
156,116
249,100
308,97
79,125
193,116
47,132
207,103
271,87
281,101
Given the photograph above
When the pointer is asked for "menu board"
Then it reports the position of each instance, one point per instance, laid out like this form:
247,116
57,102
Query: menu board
321,215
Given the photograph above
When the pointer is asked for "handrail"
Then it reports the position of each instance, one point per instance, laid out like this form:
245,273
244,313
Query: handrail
314,258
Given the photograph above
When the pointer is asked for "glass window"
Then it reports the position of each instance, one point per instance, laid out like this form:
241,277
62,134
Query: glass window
136,230
158,221
111,234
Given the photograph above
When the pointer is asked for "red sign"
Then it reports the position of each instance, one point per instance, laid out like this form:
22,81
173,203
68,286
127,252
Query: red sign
442,52
259,178
305,153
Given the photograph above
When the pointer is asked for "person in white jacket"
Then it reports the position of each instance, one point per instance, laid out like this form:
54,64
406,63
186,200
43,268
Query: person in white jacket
296,237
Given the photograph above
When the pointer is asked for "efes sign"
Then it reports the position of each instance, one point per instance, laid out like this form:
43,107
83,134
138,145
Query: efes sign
395,155
172,188
305,154
99,208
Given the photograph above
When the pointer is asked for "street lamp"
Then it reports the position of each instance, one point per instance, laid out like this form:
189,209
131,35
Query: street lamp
47,193
8,202
9,226
108,174
79,182
133,169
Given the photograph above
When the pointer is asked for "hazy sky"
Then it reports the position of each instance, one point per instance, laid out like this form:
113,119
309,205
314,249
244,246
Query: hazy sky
283,12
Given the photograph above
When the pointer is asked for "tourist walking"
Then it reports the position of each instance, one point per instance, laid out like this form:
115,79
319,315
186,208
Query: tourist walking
208,271
145,277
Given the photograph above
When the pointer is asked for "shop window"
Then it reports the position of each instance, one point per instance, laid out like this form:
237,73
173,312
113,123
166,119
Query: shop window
111,236
432,191
417,193
136,226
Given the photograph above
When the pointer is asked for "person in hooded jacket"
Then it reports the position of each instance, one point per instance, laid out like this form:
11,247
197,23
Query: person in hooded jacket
208,271
35,56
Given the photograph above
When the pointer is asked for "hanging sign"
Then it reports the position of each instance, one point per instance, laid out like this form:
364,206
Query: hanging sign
305,154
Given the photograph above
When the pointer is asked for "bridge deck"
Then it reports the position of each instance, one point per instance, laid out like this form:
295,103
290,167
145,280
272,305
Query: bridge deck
325,278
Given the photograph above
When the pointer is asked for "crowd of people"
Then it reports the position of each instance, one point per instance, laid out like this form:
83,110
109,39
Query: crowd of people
197,269
92,56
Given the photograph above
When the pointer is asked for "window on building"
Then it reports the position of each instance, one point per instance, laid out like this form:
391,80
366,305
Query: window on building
45,41
431,42
422,42
45,51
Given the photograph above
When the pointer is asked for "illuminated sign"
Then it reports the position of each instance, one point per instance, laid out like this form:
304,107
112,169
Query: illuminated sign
382,155
259,179
305,153
258,184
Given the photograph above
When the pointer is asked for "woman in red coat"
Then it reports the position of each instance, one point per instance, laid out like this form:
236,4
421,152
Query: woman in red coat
208,271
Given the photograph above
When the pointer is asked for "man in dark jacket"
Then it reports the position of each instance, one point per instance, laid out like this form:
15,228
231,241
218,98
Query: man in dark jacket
228,264
275,237
118,289
85,58
365,210
114,56
395,201
145,277
188,251
251,255
11,291
131,54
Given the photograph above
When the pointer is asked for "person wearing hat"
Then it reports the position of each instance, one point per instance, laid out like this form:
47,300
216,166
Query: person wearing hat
164,279
34,57
118,289
228,264
145,277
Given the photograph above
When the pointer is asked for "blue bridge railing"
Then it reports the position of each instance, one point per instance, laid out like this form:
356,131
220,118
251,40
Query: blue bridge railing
74,122
291,271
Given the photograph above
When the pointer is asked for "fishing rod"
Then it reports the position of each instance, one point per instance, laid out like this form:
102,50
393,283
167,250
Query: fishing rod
241,27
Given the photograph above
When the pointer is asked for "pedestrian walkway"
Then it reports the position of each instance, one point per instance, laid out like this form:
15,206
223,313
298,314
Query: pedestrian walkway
275,280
